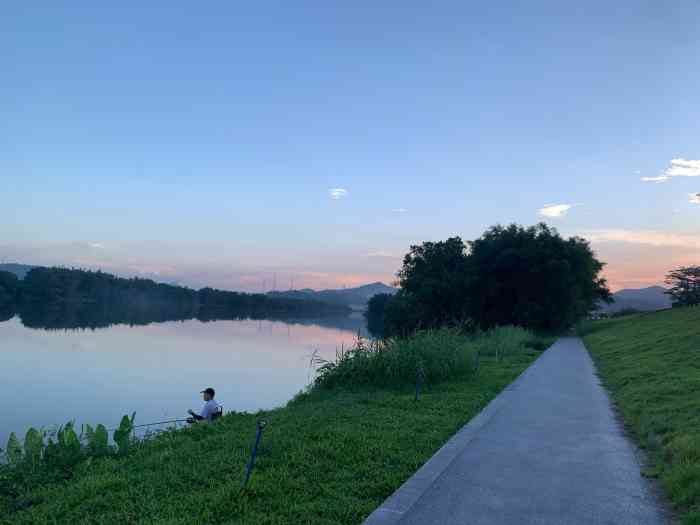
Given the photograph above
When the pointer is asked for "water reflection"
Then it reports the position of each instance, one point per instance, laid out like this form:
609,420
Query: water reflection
66,315
7,312
50,376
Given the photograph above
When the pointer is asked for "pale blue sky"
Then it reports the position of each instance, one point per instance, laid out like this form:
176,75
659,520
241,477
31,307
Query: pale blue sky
200,142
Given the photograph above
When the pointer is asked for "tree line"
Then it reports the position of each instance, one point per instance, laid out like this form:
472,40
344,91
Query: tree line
68,298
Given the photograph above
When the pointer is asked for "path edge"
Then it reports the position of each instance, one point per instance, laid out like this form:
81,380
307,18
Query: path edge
395,506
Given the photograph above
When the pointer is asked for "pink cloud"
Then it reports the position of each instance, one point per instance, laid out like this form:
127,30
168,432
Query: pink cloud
641,258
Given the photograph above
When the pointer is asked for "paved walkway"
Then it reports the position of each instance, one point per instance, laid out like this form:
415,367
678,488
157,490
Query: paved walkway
548,450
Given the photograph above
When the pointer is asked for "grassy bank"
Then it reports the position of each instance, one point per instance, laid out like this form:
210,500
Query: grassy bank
330,457
651,363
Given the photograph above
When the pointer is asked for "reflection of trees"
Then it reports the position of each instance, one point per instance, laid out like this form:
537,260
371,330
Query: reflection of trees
63,315
69,298
57,315
7,312
351,323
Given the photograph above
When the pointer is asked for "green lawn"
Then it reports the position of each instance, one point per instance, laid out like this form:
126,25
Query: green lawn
329,457
651,363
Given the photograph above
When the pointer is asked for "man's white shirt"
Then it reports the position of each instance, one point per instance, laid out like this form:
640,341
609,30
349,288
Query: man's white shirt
210,407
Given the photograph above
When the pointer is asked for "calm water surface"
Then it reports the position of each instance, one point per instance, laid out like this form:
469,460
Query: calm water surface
49,377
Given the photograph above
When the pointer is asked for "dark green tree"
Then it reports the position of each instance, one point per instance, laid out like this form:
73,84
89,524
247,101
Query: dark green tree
511,275
685,286
403,315
434,282
9,288
533,277
375,313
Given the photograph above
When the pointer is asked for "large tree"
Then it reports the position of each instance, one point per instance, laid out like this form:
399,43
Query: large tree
434,283
514,275
685,286
533,277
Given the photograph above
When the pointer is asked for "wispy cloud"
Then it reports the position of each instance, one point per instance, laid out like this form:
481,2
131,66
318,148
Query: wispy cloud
644,237
555,210
677,168
399,210
337,193
695,198
97,245
660,178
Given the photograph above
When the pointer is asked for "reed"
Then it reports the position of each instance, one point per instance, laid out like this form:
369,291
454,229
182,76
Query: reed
437,355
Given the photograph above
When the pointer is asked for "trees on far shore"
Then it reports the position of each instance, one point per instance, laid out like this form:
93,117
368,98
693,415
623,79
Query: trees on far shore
9,286
70,298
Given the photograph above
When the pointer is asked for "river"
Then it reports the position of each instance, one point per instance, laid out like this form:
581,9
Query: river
49,377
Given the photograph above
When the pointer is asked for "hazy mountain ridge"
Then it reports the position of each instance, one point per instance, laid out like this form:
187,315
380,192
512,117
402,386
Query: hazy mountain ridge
354,297
20,270
644,299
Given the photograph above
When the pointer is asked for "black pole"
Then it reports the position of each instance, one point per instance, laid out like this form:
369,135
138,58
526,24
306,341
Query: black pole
254,452
419,378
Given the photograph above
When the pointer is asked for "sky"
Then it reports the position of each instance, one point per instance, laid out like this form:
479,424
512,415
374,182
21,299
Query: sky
310,143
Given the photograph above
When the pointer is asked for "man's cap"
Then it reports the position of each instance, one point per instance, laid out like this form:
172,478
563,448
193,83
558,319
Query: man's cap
209,391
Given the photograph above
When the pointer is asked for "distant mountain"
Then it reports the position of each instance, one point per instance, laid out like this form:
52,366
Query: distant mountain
355,298
643,299
20,270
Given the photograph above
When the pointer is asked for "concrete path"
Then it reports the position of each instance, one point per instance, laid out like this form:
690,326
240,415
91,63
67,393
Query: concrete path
547,450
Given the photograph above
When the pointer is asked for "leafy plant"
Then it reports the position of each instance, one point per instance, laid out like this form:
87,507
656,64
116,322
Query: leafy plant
33,448
65,452
122,435
97,440
14,450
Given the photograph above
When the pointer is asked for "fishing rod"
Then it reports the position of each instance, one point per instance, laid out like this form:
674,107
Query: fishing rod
151,424
160,423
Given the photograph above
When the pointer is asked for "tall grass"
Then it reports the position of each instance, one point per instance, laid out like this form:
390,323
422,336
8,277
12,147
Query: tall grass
504,341
435,355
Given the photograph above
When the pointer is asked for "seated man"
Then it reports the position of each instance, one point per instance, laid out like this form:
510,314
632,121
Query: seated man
210,410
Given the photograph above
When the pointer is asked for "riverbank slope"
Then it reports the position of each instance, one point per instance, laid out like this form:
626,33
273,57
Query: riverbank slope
651,364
